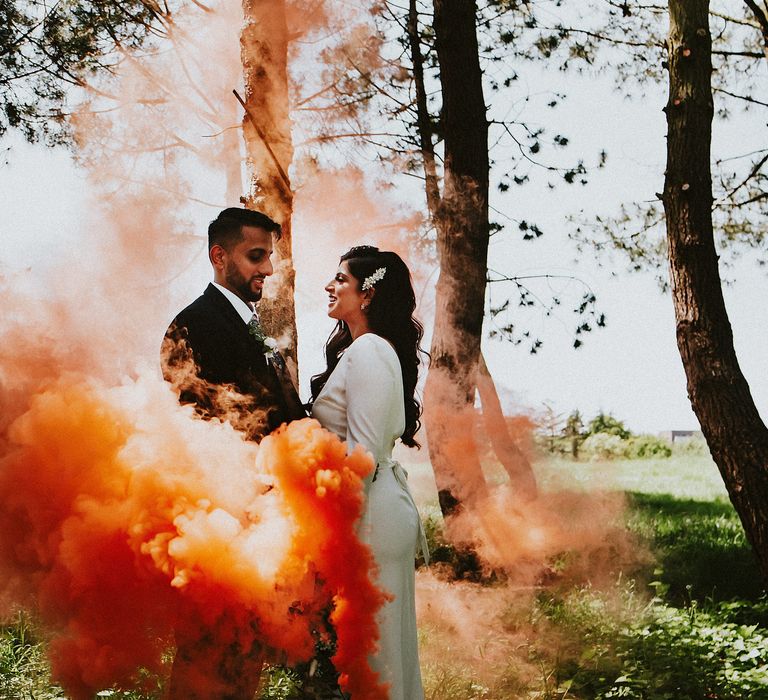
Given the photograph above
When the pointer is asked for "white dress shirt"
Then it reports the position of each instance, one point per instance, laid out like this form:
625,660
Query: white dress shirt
243,309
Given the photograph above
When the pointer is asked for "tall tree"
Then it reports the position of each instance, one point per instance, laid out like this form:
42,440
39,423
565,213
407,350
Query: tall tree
630,39
719,393
460,217
269,151
462,245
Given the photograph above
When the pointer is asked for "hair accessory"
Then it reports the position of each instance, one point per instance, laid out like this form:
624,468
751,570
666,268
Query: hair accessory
371,280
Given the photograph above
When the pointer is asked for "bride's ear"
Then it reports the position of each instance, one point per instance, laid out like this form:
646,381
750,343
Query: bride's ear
367,297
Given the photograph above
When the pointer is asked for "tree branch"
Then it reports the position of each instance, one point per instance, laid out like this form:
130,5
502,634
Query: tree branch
746,98
752,173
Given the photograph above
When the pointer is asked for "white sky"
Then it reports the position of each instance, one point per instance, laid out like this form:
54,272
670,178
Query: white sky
631,368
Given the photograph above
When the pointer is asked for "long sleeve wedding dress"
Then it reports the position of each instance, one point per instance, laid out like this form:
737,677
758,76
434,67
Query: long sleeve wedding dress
362,403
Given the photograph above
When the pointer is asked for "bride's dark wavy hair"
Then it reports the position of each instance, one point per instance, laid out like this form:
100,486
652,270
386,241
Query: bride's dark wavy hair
390,315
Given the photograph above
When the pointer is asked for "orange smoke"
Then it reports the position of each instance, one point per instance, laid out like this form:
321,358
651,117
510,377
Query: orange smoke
524,540
121,517
322,490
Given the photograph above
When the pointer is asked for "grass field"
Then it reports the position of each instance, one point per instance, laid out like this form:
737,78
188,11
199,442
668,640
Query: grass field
686,619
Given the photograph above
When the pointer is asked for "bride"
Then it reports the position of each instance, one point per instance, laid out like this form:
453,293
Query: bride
366,396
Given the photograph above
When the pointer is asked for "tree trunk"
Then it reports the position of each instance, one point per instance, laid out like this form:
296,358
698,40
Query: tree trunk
719,393
462,244
269,151
515,463
423,118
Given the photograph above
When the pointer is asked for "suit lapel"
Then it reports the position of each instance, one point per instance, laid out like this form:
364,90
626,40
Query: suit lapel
234,321
225,309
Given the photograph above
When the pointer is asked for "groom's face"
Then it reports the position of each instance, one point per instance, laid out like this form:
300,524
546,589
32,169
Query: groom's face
244,267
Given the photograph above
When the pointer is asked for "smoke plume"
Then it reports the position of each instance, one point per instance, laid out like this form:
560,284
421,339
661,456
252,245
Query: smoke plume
122,514
125,520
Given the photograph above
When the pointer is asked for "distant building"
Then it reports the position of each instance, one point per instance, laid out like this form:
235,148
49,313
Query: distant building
680,436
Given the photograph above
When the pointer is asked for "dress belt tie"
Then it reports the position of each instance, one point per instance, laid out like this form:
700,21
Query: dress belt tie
401,476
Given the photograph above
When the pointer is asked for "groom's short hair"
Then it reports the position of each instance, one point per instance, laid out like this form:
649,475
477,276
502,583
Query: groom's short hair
226,229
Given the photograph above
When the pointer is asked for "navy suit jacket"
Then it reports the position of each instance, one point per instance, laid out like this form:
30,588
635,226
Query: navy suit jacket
215,364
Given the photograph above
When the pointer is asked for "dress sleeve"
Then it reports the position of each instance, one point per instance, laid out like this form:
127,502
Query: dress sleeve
371,389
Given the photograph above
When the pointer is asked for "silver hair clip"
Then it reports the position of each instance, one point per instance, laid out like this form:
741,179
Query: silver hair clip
377,276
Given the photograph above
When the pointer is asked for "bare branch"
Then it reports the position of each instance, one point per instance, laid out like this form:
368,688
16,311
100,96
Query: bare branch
752,200
753,172
760,15
735,20
744,54
746,98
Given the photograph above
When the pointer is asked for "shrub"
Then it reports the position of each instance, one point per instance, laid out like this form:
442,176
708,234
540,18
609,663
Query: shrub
604,446
688,654
647,446
696,446
606,423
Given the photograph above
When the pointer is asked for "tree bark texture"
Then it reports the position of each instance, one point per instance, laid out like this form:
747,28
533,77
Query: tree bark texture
269,152
462,244
719,393
513,460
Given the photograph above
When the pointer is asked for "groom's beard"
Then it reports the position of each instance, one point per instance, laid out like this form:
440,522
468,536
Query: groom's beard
243,287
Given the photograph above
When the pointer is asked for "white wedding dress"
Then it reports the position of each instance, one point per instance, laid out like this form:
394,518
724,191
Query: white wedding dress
362,403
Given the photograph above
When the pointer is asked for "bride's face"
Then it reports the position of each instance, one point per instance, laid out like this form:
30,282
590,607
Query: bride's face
344,295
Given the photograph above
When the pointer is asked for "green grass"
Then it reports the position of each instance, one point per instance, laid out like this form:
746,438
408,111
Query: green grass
692,624
686,476
700,546
654,651
24,672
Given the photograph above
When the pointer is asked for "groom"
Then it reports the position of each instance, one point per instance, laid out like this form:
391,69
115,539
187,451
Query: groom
215,353
219,360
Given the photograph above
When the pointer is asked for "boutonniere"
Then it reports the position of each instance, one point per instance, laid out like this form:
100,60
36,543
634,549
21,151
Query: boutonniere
267,345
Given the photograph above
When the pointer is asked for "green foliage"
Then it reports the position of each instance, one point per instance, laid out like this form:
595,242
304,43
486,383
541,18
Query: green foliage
696,446
604,446
616,649
24,669
280,683
606,438
688,654
647,447
605,423
48,48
